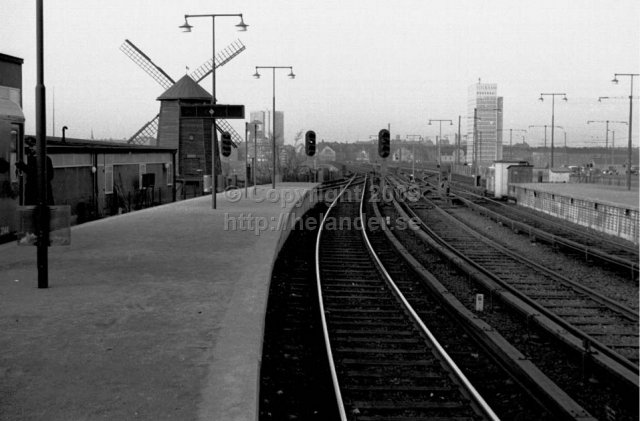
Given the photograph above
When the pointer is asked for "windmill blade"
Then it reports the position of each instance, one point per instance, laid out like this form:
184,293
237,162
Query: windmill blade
224,126
146,64
147,135
222,58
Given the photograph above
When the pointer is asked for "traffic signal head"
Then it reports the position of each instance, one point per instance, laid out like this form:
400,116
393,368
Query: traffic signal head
226,144
310,143
384,143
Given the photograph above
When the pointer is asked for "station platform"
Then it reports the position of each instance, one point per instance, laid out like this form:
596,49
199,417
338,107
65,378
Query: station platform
611,195
156,314
610,210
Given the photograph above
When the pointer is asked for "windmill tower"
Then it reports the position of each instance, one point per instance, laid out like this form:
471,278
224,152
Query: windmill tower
166,129
150,129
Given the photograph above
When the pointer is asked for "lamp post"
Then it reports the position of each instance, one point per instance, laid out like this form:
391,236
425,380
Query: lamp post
255,124
511,138
629,152
273,129
606,138
600,98
440,137
42,208
214,136
458,141
545,137
413,153
553,109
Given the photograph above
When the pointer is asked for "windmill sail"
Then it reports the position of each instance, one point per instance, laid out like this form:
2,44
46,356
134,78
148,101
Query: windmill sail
148,134
150,129
222,58
146,64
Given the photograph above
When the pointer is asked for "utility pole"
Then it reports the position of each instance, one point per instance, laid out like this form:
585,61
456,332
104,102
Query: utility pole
553,114
459,137
439,139
606,138
42,208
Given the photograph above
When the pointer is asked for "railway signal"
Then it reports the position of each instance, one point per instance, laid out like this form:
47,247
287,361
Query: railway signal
384,143
310,143
226,143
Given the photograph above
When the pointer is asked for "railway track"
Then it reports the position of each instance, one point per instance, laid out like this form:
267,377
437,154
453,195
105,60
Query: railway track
385,363
600,324
579,240
295,382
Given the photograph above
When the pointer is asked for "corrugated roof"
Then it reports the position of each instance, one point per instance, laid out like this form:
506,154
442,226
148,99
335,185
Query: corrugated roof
185,88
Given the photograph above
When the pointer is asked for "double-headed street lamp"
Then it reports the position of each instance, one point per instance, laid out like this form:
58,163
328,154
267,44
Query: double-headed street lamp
629,156
511,138
440,137
273,129
545,136
214,136
606,138
553,112
413,153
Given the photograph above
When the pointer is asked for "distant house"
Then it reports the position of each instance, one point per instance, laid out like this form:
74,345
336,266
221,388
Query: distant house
362,156
403,155
559,175
450,159
327,154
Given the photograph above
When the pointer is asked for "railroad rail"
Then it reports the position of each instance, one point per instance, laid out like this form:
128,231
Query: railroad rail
433,302
579,316
384,362
564,235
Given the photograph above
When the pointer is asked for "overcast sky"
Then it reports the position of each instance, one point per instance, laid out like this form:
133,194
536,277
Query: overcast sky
359,65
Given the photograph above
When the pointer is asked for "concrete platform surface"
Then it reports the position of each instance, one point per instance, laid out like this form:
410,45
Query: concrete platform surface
153,315
613,195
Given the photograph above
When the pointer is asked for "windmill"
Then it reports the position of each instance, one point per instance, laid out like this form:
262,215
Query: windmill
150,129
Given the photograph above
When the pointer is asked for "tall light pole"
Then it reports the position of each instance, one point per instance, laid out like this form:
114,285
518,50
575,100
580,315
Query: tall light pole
413,152
511,138
440,137
273,129
458,143
214,136
606,138
42,208
629,152
553,114
545,137
254,124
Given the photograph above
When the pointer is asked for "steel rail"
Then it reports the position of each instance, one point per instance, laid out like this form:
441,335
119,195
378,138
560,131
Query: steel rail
629,370
601,254
518,365
470,390
576,286
325,330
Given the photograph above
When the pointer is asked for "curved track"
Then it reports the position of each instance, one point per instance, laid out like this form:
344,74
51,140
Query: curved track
385,363
613,253
598,322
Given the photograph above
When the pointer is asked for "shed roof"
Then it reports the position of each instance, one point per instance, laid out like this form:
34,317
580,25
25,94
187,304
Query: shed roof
185,88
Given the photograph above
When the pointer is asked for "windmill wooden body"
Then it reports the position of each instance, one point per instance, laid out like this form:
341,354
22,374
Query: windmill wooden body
191,138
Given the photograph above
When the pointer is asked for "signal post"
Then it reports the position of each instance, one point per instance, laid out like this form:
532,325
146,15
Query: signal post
310,149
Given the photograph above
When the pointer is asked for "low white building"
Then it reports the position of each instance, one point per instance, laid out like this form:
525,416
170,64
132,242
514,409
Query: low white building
559,175
327,154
